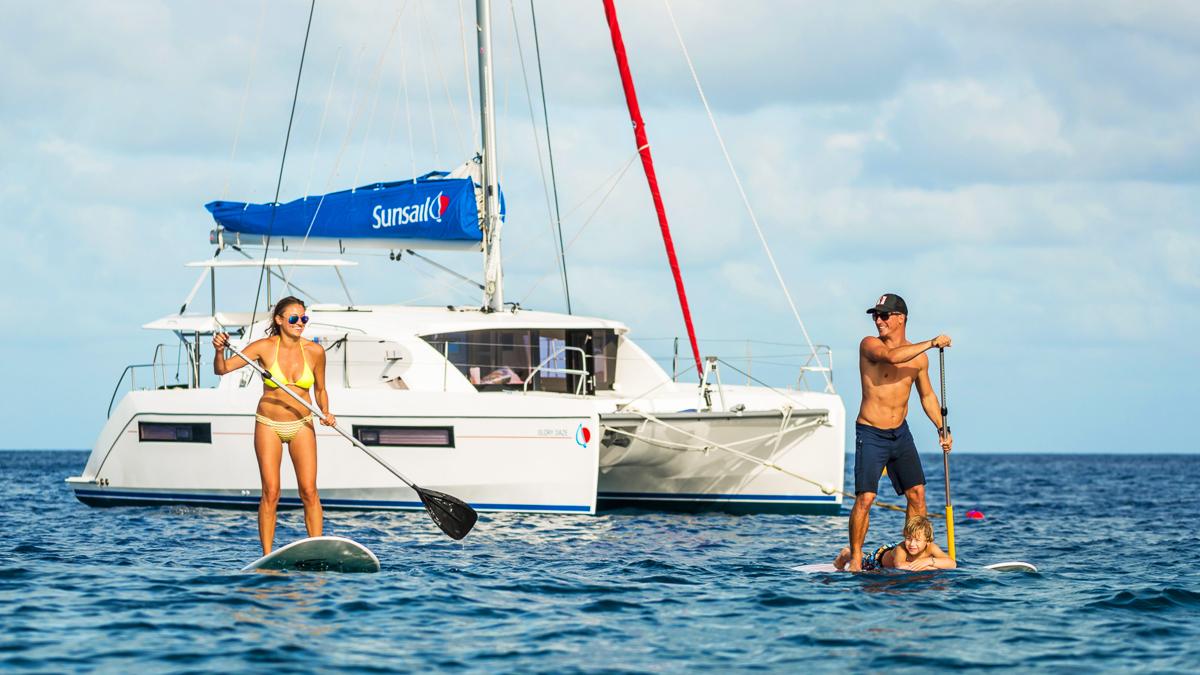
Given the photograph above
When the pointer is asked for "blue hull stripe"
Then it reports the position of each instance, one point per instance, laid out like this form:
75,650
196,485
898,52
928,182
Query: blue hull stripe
709,497
118,495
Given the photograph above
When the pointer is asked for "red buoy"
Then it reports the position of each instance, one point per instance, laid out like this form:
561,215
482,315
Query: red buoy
975,515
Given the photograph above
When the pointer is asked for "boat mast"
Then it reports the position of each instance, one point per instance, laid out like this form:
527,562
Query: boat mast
493,274
643,146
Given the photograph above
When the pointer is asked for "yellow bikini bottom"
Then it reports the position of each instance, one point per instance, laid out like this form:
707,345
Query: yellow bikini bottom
286,430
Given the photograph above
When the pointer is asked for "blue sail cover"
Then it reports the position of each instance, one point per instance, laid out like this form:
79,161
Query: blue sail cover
425,208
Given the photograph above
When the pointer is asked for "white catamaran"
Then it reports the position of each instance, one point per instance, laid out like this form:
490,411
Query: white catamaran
506,408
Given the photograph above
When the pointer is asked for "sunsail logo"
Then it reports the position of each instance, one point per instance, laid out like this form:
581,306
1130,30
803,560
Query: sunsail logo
431,209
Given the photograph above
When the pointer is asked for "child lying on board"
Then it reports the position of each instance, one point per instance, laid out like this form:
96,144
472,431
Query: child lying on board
917,552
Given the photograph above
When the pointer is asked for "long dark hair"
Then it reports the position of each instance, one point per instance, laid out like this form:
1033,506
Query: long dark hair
284,303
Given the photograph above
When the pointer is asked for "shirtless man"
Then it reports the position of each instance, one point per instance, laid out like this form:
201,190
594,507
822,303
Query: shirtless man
890,365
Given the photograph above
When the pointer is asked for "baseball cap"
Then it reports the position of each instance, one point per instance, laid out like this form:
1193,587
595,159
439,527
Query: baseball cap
890,303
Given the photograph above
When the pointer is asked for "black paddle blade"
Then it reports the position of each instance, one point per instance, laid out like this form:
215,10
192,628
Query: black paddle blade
453,515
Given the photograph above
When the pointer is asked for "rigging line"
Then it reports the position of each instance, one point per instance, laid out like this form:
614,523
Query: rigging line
457,288
537,146
196,287
745,200
689,447
616,174
356,111
412,143
282,162
312,165
623,406
462,36
377,77
388,155
437,158
337,162
562,253
764,384
275,274
462,139
445,269
590,217
237,132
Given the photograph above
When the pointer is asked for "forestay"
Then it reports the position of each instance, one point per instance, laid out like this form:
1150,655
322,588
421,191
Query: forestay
431,211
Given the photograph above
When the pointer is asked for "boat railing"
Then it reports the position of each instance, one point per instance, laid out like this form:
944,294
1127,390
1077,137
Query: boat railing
771,360
157,370
130,370
581,373
816,364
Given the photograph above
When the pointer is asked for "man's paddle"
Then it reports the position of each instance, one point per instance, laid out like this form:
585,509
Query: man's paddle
945,431
453,515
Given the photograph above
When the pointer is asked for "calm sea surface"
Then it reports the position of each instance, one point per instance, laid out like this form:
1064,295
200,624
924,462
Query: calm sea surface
158,588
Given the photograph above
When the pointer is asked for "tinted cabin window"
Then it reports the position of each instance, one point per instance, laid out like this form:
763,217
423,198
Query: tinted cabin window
504,359
440,437
174,432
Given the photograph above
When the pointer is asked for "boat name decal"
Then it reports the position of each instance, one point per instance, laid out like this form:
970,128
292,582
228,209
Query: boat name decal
431,209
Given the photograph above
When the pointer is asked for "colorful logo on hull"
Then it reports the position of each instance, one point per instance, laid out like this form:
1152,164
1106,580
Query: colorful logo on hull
582,436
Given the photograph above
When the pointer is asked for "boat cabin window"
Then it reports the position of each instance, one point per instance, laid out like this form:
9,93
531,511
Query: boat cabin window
174,432
384,436
497,359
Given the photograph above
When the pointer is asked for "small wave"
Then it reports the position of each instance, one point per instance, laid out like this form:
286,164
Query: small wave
609,605
777,599
1150,600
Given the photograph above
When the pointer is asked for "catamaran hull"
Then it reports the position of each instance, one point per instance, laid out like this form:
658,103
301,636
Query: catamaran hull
714,461
519,453
514,455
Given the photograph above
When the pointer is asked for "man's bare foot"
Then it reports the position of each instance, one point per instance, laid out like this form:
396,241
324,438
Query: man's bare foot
855,564
842,558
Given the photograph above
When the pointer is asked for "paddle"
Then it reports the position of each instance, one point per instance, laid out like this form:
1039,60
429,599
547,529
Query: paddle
454,516
945,431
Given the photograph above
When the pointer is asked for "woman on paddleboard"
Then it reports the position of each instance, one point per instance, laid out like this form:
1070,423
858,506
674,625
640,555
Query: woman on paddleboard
299,364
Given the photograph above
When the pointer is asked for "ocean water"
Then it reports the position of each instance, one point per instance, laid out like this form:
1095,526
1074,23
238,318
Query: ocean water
157,589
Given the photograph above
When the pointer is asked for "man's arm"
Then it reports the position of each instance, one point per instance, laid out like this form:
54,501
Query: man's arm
876,351
933,409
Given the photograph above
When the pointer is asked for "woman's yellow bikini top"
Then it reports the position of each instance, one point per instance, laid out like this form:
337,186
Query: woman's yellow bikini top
306,378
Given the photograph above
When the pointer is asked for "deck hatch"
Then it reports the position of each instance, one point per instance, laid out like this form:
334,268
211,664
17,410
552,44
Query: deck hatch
174,432
391,436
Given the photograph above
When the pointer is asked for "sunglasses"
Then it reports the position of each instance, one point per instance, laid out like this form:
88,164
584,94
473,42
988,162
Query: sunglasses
884,316
296,317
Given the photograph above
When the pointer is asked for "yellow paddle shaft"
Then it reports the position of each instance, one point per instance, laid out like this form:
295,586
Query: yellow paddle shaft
950,530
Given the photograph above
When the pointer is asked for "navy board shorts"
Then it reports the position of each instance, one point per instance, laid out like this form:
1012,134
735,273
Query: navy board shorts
875,449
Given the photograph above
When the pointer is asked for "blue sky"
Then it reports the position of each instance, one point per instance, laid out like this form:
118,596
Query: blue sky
1024,173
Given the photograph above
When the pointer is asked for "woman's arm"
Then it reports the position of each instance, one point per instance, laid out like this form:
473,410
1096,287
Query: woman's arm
320,395
222,365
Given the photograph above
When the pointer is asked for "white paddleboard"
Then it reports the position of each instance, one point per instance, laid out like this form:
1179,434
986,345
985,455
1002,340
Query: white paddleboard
319,554
817,568
1011,566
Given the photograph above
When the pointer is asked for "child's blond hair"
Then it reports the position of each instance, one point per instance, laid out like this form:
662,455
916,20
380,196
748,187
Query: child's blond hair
919,525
